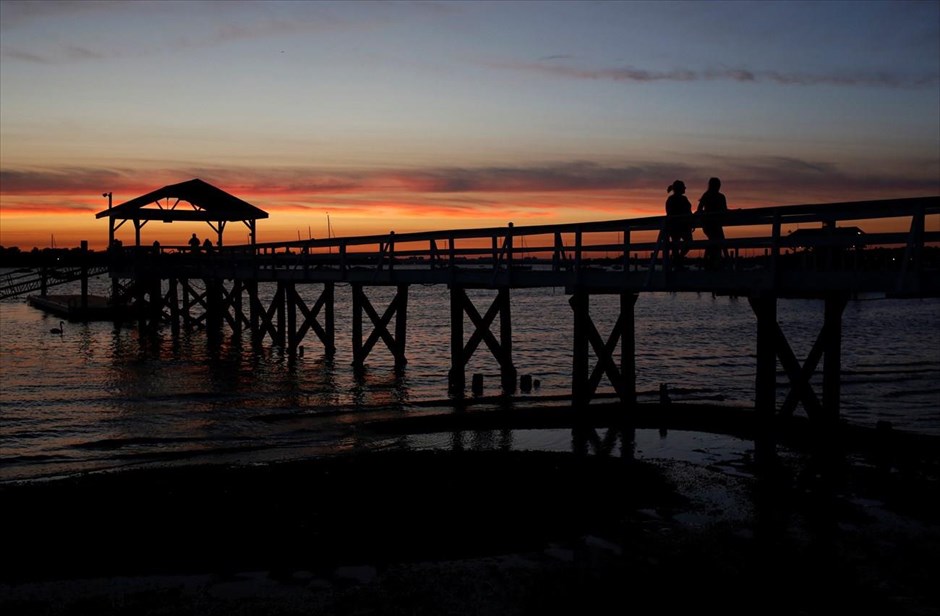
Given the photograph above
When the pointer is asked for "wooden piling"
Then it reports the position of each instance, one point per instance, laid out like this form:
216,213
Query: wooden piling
401,326
457,376
84,274
832,359
765,308
580,304
628,346
507,369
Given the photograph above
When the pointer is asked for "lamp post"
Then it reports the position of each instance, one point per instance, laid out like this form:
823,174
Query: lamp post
110,220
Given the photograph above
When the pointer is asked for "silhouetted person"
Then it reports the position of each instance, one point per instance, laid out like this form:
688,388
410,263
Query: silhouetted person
194,244
679,232
711,207
207,246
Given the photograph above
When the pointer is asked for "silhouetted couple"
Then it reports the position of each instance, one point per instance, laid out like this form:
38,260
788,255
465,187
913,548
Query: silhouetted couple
680,223
194,245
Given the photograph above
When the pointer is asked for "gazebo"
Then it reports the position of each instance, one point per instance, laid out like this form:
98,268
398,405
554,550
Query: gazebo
194,200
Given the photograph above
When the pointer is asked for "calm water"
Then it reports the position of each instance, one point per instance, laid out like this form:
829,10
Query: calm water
104,397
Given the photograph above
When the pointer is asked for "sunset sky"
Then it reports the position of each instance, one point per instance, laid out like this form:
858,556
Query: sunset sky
412,116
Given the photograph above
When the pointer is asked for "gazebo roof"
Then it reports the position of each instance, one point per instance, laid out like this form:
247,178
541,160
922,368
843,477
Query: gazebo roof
208,204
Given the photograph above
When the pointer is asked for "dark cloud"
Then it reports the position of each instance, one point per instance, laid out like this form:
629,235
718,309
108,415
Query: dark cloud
77,52
16,13
550,178
741,75
232,23
68,53
9,53
756,176
73,180
778,180
560,177
857,78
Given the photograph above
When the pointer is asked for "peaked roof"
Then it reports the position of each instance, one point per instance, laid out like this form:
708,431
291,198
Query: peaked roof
209,203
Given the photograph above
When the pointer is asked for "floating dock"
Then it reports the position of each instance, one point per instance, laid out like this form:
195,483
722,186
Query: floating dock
76,308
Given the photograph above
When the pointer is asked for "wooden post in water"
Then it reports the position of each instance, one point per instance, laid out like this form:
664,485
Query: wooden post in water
214,306
329,319
293,338
507,369
280,300
765,400
401,326
186,314
173,299
84,266
117,302
580,376
235,299
832,359
357,309
457,379
628,346
254,316
140,299
155,308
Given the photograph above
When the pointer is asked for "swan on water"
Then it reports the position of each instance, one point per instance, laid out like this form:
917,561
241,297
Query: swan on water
59,329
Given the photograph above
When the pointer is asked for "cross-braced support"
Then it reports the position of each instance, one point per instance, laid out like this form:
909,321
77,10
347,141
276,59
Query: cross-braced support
268,320
584,380
308,321
772,345
232,307
192,298
396,344
501,349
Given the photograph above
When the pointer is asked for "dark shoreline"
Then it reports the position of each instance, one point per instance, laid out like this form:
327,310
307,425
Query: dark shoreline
491,531
309,514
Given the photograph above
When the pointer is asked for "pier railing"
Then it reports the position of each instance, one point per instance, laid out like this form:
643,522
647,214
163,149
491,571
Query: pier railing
889,246
28,280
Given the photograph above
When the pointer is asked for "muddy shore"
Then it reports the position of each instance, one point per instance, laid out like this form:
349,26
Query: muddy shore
475,532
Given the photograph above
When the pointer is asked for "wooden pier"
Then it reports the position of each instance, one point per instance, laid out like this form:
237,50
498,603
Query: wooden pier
284,292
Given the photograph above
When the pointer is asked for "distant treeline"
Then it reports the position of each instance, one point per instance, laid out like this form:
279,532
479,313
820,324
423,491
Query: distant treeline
37,257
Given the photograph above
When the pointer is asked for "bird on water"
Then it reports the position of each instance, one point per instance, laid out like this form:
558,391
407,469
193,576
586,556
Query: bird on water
59,329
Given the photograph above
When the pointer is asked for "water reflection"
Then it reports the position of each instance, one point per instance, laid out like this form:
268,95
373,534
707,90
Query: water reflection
586,440
377,387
